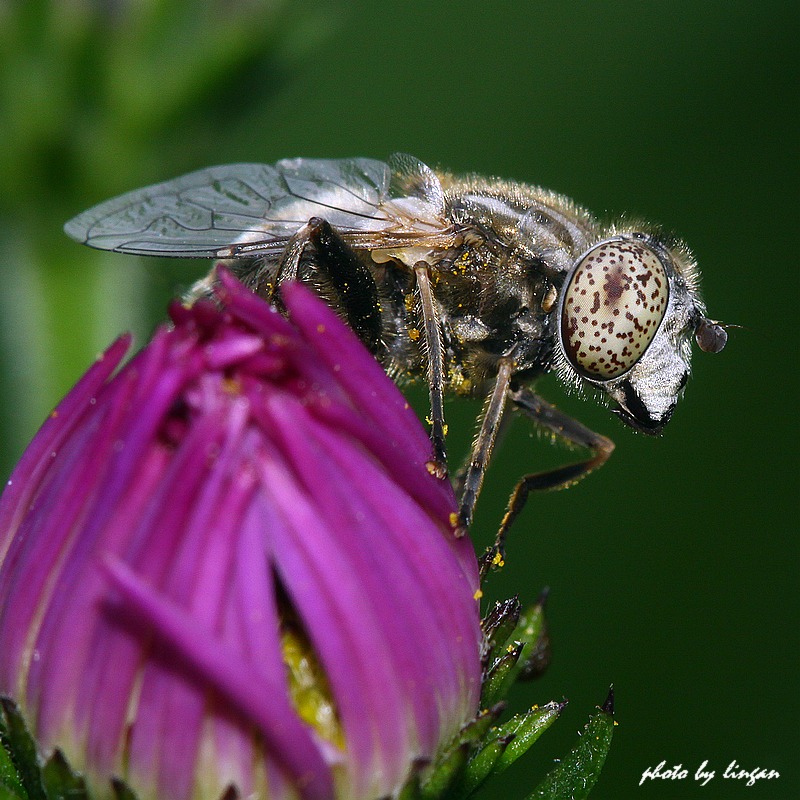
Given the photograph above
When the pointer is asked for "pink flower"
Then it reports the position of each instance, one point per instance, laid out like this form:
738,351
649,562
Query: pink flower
227,564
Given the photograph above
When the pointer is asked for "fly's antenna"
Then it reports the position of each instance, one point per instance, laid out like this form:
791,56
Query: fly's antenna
711,335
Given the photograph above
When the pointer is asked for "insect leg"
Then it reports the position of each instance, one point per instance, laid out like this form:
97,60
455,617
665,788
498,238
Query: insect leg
568,429
483,445
435,355
347,275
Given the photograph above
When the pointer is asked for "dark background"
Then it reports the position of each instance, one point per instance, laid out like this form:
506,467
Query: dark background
673,570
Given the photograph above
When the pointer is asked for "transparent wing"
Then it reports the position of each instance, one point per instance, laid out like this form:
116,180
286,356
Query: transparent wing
249,210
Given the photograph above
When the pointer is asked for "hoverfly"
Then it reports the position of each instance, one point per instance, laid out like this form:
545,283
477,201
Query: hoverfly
479,285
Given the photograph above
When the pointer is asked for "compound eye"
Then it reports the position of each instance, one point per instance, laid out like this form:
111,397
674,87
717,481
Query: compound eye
614,302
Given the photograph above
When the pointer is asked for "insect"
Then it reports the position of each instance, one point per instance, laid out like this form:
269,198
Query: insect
478,285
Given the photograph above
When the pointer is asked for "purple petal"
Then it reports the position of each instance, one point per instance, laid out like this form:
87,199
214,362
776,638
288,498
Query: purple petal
56,428
277,721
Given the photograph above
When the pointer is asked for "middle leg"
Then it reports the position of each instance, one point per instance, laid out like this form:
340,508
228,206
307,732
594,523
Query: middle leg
565,427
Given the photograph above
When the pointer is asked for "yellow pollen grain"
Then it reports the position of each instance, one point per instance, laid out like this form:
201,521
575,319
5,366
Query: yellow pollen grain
439,471
478,594
413,334
497,561
454,519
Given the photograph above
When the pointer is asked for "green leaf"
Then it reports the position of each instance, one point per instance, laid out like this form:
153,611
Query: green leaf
577,774
22,750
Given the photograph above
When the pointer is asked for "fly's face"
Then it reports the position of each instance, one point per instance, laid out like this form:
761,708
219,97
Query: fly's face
628,310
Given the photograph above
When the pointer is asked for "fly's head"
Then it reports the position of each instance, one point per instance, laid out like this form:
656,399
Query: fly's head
627,312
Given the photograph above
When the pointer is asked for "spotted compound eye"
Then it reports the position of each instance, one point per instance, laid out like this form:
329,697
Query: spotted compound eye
613,304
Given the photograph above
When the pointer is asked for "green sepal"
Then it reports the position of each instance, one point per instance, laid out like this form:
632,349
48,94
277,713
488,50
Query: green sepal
436,783
501,675
521,653
474,731
22,750
505,744
121,790
524,729
498,625
60,782
435,780
480,767
532,632
23,778
411,790
578,772
10,784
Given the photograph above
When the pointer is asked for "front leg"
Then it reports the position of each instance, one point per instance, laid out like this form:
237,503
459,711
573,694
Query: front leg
434,352
566,428
357,291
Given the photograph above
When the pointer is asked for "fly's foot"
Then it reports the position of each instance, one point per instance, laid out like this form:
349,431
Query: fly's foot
437,468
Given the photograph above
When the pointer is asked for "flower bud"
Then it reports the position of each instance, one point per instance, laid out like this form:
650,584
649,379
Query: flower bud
226,564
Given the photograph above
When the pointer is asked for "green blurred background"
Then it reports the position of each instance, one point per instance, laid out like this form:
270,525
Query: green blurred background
673,570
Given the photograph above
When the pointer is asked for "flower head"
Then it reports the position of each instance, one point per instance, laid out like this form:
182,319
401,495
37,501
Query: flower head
226,564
